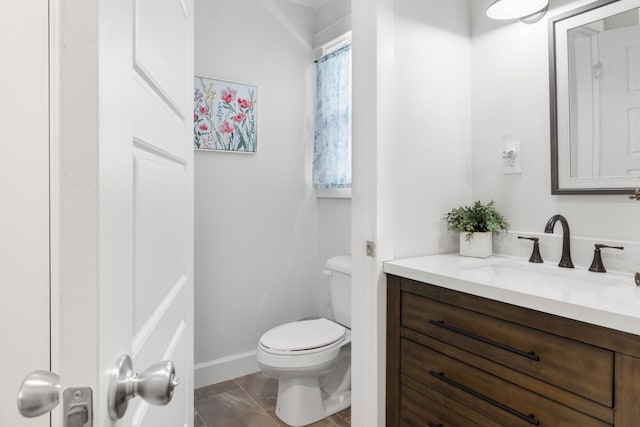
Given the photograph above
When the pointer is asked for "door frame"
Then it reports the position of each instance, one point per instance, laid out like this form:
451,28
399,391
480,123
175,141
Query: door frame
372,202
25,173
73,193
54,202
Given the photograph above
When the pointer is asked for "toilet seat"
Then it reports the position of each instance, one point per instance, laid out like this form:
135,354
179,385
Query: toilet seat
303,337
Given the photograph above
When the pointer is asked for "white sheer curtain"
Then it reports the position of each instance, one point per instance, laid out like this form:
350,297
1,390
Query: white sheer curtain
332,148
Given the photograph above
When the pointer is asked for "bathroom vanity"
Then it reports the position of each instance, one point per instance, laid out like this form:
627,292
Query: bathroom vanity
502,342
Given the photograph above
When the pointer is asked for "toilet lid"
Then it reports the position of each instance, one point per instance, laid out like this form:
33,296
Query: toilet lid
303,335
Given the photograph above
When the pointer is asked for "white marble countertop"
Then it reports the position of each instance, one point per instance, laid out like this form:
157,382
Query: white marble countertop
608,299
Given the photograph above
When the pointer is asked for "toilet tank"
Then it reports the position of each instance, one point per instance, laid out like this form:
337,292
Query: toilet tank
340,288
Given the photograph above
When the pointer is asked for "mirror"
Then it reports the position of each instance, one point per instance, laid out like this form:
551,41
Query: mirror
594,67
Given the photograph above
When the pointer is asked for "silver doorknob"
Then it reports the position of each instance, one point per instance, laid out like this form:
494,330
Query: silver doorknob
38,394
155,385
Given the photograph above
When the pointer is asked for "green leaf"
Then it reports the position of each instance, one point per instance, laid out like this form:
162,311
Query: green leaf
476,218
228,107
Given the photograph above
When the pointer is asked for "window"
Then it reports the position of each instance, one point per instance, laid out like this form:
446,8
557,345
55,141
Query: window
332,146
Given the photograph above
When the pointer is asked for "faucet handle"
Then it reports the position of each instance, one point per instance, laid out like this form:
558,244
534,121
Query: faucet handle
600,246
596,265
535,254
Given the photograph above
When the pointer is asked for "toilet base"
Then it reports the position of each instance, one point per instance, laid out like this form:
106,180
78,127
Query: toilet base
300,402
303,400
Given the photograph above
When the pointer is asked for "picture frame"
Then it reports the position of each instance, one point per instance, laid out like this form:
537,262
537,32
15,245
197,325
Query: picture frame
225,116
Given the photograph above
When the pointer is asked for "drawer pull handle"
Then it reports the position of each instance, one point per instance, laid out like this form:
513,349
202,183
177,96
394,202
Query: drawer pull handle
530,418
529,355
430,424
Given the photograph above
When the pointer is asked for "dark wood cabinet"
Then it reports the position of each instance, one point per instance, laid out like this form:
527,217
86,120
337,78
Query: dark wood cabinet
458,360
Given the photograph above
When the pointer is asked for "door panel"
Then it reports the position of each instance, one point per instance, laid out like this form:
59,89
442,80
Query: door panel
634,68
620,98
634,139
161,36
123,199
162,161
148,110
160,222
175,350
24,212
633,73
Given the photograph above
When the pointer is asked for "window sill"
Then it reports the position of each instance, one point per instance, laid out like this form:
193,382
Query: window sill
333,193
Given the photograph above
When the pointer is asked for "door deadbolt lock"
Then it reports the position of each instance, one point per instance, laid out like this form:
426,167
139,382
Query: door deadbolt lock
78,407
155,385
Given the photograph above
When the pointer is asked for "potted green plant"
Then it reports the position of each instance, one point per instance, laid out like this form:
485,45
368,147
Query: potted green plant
475,224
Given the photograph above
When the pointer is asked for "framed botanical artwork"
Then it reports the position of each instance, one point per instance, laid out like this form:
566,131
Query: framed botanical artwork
225,116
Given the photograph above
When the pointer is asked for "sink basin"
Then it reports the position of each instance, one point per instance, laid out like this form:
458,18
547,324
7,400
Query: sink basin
550,281
517,274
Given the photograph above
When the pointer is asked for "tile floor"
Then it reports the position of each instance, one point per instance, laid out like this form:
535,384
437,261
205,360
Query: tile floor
248,401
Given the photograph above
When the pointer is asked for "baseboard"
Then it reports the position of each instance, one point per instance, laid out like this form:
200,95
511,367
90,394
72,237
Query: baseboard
225,368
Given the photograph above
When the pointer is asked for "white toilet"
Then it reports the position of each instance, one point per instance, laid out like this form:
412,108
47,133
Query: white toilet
311,359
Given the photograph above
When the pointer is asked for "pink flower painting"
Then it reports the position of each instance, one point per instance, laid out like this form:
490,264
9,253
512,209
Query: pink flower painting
225,127
238,118
244,104
225,116
228,95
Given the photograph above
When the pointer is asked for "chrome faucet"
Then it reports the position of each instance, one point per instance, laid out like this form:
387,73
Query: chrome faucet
565,260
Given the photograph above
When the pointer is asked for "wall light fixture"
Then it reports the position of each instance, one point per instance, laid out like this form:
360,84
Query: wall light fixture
528,11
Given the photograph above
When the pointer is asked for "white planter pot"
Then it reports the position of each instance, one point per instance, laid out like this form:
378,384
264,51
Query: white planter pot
478,246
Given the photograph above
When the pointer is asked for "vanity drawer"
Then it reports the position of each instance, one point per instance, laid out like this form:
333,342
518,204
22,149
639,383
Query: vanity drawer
571,365
417,410
491,396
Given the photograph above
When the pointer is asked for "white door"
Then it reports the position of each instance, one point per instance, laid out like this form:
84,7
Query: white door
24,211
121,198
620,101
160,150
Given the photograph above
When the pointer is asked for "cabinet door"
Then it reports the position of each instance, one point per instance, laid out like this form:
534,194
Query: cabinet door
627,390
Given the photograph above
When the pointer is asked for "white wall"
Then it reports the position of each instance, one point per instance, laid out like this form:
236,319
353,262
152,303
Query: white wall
412,148
334,238
332,12
334,215
332,20
510,95
256,224
432,125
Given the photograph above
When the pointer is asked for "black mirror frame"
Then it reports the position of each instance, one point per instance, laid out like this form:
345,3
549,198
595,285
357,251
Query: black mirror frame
555,185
